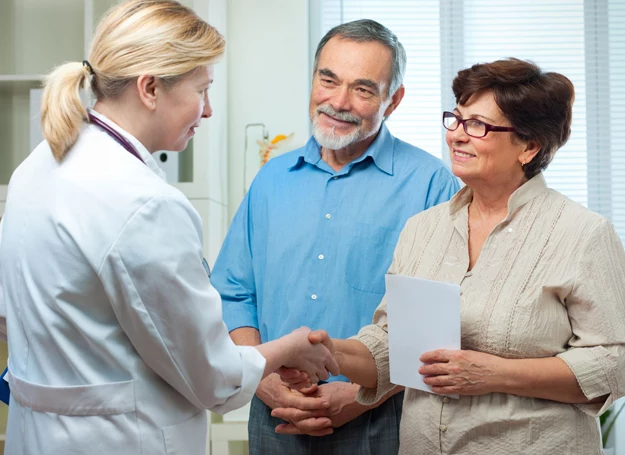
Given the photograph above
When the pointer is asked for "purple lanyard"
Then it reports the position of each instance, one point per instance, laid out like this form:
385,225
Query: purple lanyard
115,135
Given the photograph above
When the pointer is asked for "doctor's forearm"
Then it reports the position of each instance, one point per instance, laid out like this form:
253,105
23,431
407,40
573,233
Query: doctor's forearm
245,336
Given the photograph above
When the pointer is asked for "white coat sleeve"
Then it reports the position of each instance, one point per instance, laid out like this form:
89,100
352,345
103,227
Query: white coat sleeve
172,315
3,309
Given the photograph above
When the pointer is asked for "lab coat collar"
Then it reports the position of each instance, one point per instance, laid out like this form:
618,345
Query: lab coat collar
145,155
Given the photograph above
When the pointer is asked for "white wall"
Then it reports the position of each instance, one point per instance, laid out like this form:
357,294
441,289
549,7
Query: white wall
268,79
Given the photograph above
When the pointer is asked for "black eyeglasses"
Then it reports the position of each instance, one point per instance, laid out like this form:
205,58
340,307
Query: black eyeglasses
473,127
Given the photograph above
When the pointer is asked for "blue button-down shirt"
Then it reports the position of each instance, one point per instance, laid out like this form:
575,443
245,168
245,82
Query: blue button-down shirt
310,246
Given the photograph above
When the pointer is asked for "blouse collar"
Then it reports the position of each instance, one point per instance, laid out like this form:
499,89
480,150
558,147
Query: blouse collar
522,195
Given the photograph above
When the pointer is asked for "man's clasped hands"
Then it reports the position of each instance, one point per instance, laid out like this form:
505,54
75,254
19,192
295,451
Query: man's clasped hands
295,397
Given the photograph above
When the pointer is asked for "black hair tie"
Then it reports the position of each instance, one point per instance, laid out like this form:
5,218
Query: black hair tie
89,67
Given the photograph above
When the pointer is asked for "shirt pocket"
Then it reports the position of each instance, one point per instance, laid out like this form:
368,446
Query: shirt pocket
188,437
369,257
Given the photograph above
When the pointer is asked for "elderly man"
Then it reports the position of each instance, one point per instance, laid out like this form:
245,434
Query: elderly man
314,236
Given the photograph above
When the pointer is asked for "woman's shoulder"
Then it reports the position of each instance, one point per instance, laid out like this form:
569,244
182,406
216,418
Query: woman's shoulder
571,209
575,219
429,219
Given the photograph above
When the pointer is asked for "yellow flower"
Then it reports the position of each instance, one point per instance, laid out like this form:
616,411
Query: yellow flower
266,148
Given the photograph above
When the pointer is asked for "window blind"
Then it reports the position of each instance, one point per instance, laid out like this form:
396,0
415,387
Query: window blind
582,39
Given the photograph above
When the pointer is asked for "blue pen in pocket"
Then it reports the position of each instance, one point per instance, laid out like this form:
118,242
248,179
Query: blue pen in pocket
5,392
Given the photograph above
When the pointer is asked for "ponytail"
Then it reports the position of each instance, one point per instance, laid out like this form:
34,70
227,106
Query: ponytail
62,111
158,37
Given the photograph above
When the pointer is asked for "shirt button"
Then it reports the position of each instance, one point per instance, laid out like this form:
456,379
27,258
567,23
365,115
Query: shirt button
443,428
321,256
314,296
445,399
509,229
328,216
335,177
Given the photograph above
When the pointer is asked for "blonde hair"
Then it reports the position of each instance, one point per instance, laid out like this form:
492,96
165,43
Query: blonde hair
161,38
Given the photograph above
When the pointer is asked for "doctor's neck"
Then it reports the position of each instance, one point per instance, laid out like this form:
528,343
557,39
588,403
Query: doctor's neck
131,117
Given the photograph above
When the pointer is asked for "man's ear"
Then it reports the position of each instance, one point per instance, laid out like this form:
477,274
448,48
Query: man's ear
147,88
395,100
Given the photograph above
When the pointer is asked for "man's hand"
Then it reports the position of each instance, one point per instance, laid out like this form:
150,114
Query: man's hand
342,408
275,394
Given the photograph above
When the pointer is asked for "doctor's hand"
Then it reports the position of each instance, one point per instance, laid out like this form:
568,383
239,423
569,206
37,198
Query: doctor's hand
299,380
314,359
461,372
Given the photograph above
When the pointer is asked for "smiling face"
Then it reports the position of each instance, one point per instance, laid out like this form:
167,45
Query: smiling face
180,108
494,159
349,97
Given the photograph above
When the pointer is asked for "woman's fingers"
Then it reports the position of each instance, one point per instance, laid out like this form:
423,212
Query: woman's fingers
433,369
438,356
440,381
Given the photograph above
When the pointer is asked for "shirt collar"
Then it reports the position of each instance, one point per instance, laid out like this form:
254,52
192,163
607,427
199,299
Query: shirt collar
381,152
525,193
143,152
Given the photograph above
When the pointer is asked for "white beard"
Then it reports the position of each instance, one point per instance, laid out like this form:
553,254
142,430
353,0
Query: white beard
332,141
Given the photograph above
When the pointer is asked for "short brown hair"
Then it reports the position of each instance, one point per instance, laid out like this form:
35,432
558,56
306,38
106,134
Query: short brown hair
538,105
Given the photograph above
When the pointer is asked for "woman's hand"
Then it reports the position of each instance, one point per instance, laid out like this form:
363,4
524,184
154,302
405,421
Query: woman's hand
462,372
299,380
313,359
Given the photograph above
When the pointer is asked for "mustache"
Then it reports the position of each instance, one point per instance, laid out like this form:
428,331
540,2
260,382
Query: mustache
343,116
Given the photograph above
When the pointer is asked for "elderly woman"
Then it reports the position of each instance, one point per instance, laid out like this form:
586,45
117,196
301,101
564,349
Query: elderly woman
542,285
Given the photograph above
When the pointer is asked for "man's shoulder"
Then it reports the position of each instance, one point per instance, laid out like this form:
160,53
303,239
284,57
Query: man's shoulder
410,156
281,163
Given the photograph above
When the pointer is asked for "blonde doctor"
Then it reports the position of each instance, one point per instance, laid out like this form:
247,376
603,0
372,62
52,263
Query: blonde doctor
116,342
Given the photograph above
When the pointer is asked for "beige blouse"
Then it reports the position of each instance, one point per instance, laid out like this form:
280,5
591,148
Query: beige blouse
550,281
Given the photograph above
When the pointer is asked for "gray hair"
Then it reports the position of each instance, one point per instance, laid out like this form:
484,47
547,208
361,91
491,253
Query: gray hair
367,30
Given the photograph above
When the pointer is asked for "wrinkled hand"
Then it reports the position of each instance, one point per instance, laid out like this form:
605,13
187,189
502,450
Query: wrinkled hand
342,408
314,359
461,372
277,395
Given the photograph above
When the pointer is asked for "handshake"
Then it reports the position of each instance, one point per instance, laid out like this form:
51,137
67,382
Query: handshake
307,358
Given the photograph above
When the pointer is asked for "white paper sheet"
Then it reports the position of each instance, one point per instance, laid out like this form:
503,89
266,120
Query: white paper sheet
423,316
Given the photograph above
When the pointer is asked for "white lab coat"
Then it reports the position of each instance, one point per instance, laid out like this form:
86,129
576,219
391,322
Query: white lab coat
116,340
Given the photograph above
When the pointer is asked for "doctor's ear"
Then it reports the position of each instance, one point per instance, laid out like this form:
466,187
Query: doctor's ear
147,86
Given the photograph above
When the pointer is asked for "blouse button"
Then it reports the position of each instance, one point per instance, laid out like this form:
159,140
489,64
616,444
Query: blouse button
445,399
443,428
